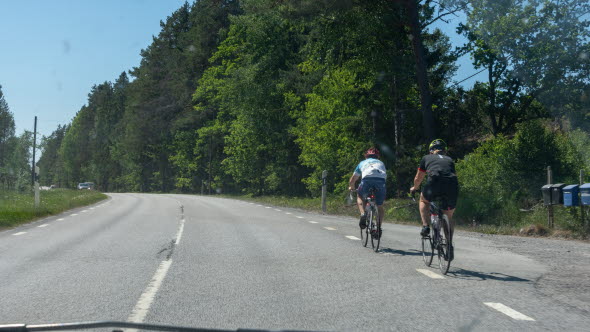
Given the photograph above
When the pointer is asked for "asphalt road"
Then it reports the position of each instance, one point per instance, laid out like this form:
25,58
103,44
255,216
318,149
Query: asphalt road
221,263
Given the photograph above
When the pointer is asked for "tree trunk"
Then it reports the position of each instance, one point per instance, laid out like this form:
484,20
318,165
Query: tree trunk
421,70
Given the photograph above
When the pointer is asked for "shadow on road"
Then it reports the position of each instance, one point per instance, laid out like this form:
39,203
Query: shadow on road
400,252
474,275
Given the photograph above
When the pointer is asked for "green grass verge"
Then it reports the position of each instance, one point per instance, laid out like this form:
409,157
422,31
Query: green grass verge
396,210
17,208
404,211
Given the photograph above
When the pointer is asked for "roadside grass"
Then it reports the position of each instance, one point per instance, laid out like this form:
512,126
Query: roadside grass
405,211
18,208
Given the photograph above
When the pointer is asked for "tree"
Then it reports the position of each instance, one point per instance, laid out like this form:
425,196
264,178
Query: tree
49,163
531,51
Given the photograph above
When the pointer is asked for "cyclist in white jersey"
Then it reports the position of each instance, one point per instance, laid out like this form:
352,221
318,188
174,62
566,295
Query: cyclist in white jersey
372,173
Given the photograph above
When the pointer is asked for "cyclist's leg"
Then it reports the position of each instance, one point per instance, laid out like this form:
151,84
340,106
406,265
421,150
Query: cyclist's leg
360,197
451,191
449,213
380,198
425,210
360,202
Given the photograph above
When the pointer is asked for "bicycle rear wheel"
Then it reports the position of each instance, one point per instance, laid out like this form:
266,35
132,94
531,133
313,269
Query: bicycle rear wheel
365,233
444,246
376,235
427,250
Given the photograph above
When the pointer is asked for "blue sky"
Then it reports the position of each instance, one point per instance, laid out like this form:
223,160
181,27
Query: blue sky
53,52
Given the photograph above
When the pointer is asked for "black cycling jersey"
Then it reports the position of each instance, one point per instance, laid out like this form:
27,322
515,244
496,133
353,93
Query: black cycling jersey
438,165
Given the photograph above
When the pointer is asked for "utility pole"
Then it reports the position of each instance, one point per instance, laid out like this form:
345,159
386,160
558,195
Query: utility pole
34,148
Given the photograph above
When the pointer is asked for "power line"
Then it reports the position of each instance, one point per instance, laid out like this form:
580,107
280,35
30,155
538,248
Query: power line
465,79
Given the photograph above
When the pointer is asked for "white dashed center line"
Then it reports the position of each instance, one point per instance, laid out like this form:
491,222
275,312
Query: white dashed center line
278,210
145,300
19,233
179,233
267,207
299,217
430,274
84,211
60,219
73,214
44,225
288,213
312,222
352,237
508,311
330,228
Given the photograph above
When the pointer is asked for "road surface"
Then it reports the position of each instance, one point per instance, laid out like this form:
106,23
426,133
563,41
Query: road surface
222,263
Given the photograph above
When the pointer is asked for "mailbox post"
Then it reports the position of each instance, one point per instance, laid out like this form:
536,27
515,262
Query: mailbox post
550,207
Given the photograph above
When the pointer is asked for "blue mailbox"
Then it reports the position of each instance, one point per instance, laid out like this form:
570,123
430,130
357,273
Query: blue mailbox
585,193
570,195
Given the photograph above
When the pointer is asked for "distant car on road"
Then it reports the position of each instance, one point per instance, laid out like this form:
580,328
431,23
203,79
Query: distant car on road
86,185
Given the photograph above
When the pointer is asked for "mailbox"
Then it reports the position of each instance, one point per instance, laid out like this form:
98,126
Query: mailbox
546,190
570,195
585,193
557,193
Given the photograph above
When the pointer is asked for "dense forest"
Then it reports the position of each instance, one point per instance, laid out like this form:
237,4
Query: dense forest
261,96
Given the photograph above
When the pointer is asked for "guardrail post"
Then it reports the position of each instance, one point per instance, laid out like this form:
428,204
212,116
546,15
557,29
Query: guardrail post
324,190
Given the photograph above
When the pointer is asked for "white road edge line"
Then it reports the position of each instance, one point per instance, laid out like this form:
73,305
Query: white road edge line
19,233
312,222
508,311
180,229
330,228
44,225
145,300
430,274
352,237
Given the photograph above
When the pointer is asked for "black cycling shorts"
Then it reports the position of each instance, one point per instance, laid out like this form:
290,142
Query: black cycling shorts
447,189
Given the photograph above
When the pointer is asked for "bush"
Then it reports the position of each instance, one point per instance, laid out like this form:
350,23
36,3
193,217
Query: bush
504,175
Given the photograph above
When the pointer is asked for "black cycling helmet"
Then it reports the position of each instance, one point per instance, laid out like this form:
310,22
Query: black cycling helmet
437,144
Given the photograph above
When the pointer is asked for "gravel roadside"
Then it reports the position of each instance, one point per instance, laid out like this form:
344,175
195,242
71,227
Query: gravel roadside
568,263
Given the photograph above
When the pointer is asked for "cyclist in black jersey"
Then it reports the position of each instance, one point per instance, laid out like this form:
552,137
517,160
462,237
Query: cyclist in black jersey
442,183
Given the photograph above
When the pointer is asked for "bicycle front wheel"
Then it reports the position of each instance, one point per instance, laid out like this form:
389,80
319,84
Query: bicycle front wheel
444,247
427,250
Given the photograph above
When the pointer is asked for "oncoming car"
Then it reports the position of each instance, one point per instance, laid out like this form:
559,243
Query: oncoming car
86,185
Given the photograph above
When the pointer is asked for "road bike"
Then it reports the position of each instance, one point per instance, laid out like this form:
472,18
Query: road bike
373,229
439,241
